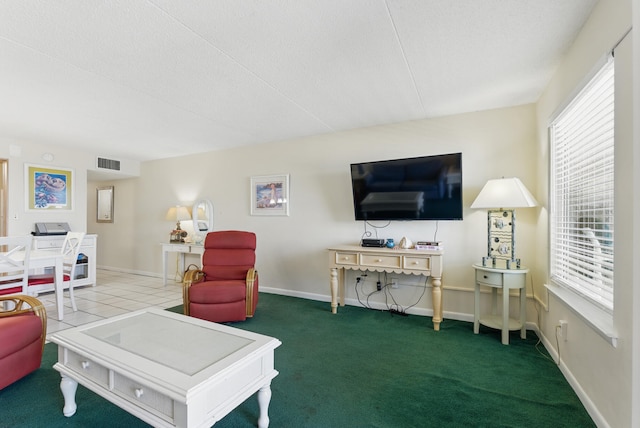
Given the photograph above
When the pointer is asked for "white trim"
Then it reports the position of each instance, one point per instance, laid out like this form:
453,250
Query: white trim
586,401
598,319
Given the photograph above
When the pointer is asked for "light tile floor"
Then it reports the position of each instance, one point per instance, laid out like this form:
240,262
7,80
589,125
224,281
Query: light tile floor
115,293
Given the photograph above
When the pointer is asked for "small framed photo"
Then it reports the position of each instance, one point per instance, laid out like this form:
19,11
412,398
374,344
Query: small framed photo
48,189
270,195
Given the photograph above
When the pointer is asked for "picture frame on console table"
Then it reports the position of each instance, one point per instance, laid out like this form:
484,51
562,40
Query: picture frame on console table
47,188
270,195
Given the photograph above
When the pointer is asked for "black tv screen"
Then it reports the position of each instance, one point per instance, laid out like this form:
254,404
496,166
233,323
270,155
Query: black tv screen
420,188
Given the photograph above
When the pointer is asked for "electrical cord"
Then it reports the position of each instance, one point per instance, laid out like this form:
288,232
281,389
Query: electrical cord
424,290
367,234
535,305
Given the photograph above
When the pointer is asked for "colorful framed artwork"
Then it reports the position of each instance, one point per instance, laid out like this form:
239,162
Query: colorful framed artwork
48,189
270,195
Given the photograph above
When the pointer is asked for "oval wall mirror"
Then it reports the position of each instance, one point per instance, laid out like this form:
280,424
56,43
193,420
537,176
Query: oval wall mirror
202,214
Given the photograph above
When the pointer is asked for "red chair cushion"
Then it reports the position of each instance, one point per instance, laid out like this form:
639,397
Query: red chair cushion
45,279
214,292
12,290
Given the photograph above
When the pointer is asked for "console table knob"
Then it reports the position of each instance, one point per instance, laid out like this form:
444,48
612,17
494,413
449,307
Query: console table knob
379,260
85,364
139,392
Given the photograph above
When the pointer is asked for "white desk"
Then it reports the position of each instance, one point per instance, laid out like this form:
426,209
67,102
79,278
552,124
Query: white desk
181,250
45,259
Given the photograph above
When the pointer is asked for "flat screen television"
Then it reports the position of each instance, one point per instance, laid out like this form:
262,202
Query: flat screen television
420,188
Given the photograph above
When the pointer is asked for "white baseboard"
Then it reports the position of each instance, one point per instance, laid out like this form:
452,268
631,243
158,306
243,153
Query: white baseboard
589,406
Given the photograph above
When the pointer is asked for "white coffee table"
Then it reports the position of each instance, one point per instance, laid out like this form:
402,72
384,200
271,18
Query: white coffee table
167,369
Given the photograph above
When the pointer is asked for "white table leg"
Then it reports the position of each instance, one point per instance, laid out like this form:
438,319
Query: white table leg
476,309
523,313
68,387
436,302
333,283
505,316
264,397
164,266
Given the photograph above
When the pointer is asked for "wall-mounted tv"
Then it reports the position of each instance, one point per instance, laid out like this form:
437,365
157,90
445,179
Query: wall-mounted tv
420,188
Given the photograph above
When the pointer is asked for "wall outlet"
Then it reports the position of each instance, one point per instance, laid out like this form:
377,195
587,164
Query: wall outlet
394,282
563,329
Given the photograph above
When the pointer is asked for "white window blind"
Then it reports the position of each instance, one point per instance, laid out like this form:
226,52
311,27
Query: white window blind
581,187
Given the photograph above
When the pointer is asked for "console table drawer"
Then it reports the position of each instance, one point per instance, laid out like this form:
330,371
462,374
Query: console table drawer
417,263
489,278
381,260
87,368
346,258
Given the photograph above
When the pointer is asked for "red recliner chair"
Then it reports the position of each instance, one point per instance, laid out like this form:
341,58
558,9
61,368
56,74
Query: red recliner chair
23,331
229,289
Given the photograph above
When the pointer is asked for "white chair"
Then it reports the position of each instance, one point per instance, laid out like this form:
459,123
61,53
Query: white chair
14,264
70,251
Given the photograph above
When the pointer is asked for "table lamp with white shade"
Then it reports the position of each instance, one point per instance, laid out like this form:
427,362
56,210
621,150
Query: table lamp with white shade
500,196
178,214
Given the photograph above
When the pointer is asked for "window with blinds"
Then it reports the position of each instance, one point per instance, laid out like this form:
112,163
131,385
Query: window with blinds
581,192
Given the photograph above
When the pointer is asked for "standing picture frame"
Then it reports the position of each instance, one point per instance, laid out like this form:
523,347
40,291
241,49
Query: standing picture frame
104,209
48,189
270,195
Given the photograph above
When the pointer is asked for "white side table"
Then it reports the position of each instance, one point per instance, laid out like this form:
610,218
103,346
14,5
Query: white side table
181,250
506,279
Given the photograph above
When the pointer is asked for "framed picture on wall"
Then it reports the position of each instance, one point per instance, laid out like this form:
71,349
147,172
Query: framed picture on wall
270,195
48,189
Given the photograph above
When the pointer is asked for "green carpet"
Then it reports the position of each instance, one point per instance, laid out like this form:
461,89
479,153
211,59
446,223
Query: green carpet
359,368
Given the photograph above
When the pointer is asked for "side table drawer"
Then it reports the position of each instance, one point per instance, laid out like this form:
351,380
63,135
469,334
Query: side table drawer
381,260
346,258
87,368
489,278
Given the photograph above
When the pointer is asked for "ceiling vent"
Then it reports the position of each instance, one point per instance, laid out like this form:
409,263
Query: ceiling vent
111,164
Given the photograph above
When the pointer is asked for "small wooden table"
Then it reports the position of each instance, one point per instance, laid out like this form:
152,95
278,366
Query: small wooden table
168,369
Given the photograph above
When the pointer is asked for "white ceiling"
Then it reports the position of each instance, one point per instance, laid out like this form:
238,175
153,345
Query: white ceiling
153,79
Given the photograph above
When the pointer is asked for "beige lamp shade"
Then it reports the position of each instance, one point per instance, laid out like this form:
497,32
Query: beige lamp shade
178,213
504,193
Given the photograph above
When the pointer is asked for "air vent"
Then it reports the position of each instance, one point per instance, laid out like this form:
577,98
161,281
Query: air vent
111,164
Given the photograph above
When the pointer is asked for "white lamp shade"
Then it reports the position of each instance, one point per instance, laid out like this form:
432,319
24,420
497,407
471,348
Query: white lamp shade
178,213
504,193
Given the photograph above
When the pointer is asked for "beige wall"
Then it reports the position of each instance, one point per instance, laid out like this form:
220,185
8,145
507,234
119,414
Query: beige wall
598,371
292,256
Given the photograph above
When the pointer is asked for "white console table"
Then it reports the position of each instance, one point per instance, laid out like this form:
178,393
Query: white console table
85,272
181,250
412,262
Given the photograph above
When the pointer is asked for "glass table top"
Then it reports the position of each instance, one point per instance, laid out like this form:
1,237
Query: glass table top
180,345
